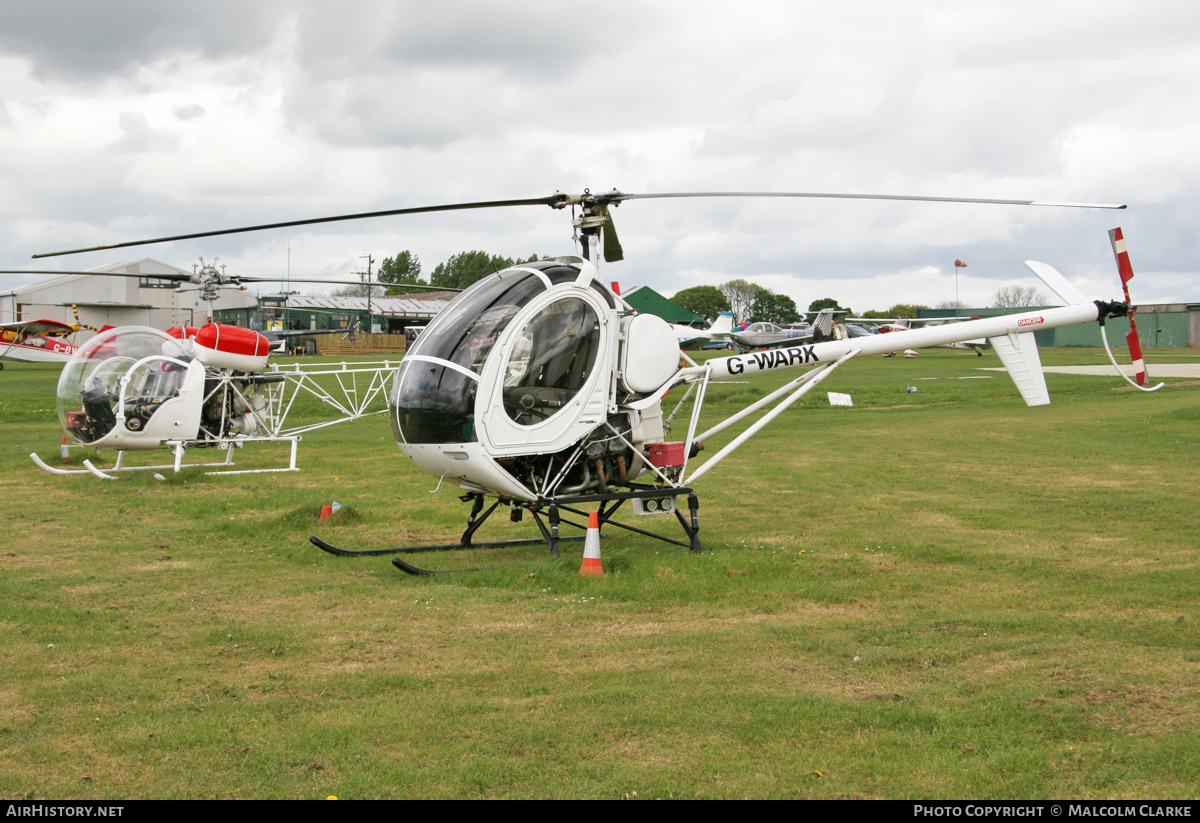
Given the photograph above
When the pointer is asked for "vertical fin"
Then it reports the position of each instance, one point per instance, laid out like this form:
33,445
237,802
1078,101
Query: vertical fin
1057,283
1019,353
723,323
824,322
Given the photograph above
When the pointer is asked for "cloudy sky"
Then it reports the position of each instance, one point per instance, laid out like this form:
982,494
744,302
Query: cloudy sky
139,118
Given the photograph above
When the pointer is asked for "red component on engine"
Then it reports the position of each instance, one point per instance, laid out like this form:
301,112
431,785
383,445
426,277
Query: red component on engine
665,454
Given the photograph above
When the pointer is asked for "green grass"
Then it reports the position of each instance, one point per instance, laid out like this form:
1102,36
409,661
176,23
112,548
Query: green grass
931,594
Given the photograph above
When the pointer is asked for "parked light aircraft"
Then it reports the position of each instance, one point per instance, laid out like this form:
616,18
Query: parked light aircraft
691,339
764,335
894,324
758,335
539,386
36,341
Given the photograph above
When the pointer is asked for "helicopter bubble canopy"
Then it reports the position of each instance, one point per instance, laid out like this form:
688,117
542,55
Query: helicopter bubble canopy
115,390
514,363
434,392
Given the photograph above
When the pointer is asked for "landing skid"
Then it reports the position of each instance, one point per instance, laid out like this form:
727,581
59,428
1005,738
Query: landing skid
547,514
448,547
178,449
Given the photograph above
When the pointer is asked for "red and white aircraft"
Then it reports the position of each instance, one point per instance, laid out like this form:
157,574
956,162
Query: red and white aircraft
36,341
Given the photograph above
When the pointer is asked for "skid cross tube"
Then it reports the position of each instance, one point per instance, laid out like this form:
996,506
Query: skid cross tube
691,526
547,516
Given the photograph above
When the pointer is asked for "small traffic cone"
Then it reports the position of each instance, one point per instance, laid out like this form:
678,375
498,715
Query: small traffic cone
63,453
326,510
591,549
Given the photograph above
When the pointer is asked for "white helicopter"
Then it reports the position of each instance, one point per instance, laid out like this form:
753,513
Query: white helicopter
540,387
134,388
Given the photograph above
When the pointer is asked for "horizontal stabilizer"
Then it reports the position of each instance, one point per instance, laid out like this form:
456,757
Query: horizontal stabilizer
1057,283
1019,353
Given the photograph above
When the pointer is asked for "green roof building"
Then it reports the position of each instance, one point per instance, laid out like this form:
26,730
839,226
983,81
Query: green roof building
647,301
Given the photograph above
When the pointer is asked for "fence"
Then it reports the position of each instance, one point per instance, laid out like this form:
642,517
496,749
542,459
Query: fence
341,344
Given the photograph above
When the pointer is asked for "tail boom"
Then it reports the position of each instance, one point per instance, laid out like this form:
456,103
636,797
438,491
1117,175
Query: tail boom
989,327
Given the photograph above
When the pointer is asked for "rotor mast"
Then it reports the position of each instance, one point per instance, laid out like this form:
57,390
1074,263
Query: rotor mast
209,283
590,225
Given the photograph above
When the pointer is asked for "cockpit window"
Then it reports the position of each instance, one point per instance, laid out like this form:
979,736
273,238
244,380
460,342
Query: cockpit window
465,331
434,403
552,359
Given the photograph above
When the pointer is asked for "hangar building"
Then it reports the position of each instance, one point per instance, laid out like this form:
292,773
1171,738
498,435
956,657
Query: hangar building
117,301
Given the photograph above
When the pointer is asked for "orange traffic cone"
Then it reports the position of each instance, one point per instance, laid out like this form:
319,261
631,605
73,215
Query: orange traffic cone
63,454
591,549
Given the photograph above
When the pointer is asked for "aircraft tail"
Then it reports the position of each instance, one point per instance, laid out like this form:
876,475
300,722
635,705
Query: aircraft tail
823,325
694,339
1057,283
723,324
1019,353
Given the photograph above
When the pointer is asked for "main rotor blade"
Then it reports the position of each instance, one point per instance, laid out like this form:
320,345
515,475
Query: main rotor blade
619,196
559,200
380,283
486,204
232,279
181,278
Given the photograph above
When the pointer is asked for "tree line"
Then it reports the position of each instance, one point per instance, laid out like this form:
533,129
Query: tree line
748,301
458,272
753,303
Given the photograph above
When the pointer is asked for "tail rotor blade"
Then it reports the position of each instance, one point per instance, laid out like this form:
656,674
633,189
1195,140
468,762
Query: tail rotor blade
1125,270
1135,352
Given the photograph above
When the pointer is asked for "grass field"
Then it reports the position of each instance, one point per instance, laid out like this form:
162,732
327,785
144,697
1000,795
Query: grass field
939,594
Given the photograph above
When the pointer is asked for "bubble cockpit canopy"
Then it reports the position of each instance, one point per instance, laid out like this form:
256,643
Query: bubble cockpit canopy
433,395
92,383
